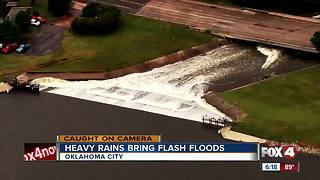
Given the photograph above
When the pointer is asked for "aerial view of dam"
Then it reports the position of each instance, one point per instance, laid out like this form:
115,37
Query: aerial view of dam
159,89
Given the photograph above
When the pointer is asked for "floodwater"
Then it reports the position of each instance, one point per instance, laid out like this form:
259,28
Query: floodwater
177,89
28,118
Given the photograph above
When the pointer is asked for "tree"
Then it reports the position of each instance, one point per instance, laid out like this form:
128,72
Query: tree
315,40
108,21
32,2
59,7
35,13
9,32
23,20
90,10
83,25
93,10
96,19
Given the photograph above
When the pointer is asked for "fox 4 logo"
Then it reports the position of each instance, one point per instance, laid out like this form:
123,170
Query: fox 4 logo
279,152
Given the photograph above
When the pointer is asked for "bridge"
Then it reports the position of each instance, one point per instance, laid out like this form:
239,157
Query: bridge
272,28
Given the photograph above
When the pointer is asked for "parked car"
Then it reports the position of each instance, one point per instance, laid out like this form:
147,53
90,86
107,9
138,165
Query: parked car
42,20
9,48
2,45
23,47
35,22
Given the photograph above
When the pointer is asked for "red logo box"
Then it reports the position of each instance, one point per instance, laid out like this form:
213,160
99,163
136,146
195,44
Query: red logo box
40,151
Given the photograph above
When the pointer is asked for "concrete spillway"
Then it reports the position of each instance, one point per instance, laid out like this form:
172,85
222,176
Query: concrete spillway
174,90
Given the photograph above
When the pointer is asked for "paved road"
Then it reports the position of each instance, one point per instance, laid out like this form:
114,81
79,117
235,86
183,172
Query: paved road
47,40
129,6
29,118
50,35
284,30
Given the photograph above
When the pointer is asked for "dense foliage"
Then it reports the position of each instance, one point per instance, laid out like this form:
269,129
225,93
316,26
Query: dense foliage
96,19
9,32
59,7
94,9
23,20
315,40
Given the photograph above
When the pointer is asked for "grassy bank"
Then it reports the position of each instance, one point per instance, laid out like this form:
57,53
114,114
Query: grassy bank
284,108
137,40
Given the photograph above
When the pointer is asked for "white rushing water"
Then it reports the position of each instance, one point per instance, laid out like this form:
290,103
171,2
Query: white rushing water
174,90
272,55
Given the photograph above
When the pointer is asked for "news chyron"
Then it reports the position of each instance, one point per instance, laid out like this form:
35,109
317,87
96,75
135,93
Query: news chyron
137,148
282,157
152,148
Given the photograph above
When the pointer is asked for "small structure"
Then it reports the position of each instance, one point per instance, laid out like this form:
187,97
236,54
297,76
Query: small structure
9,9
22,79
5,87
213,122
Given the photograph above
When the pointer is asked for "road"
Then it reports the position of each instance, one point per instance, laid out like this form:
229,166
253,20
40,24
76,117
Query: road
50,35
129,6
251,25
47,40
29,118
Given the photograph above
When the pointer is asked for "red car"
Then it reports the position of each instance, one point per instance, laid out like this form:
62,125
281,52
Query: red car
40,18
9,48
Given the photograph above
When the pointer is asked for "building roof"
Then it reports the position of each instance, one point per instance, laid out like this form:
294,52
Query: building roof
4,8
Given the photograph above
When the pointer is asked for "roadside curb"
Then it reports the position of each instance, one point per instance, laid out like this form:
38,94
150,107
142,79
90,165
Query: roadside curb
301,18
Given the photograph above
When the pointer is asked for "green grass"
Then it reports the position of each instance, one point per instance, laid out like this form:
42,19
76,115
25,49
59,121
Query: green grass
137,40
284,108
14,63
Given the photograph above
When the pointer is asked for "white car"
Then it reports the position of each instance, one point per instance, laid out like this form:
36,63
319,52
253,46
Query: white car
316,17
2,45
35,22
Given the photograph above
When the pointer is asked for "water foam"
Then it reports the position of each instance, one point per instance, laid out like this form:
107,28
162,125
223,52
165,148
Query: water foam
272,56
173,90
